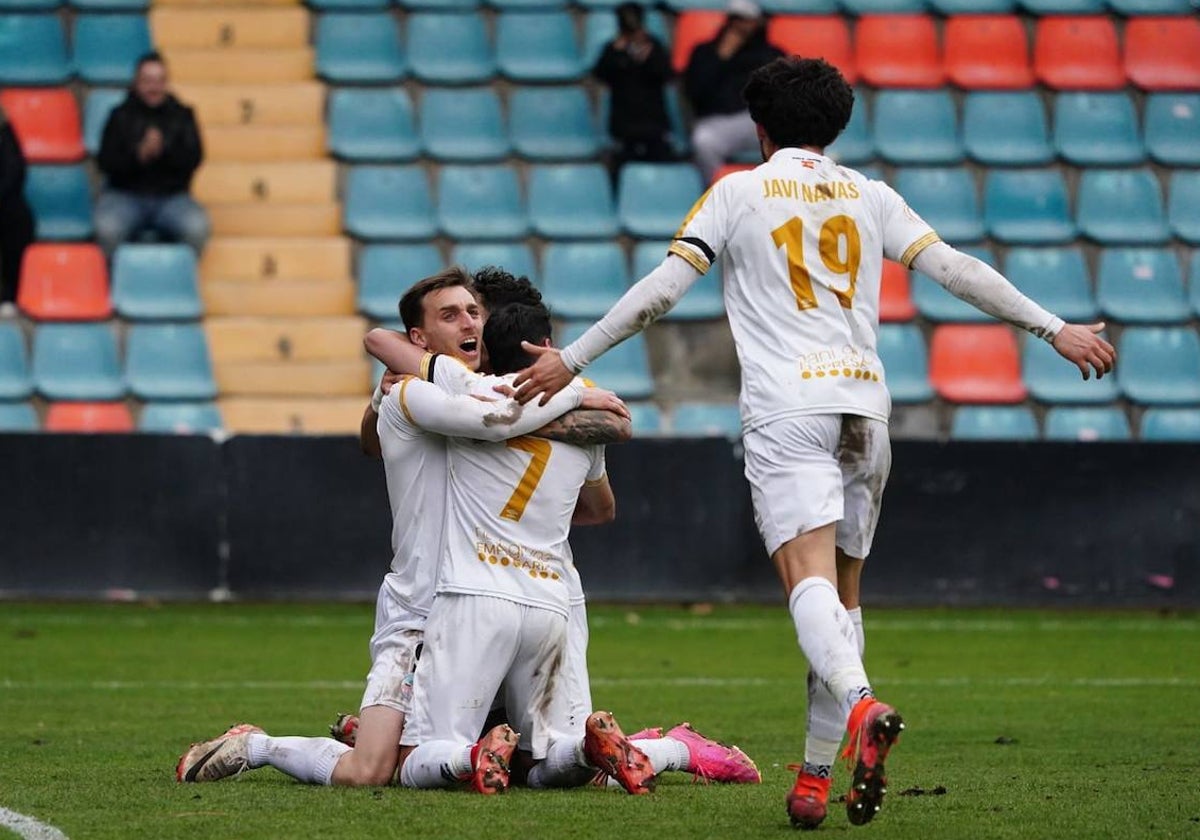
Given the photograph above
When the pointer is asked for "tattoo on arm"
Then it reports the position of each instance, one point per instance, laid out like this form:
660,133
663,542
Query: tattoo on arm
586,427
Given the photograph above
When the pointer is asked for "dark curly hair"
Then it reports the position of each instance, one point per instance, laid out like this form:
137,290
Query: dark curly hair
507,327
799,101
497,287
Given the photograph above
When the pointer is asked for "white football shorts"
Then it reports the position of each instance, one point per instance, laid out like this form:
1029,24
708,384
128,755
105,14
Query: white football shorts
394,649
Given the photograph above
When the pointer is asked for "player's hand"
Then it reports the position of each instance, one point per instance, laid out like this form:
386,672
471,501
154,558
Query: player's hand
599,399
389,379
1082,346
547,376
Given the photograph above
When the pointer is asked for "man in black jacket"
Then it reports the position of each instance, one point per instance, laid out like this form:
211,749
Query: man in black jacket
16,220
150,149
716,74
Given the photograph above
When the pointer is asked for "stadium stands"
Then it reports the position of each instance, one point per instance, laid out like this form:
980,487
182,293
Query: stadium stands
64,283
553,123
89,417
77,362
976,364
986,52
46,122
1078,53
1097,129
481,202
1027,207
898,50
155,282
991,422
33,50
917,127
1006,129
583,279
15,382
1087,424
571,201
1173,128
106,47
372,125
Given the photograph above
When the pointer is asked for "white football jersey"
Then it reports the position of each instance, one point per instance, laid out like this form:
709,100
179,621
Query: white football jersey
802,241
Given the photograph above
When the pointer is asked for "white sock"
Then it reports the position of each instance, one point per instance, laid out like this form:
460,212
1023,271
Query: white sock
563,767
825,633
308,759
826,723
436,764
860,635
664,753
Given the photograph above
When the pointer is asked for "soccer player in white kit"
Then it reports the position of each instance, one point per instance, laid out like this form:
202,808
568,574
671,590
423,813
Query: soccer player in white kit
802,241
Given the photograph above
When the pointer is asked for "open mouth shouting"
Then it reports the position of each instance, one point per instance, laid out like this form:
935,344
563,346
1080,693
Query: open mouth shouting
468,348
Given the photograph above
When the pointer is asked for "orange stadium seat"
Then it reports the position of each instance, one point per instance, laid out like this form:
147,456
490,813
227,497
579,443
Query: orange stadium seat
691,30
1078,53
730,168
46,122
1163,53
987,52
976,364
815,36
64,283
899,51
895,296
89,417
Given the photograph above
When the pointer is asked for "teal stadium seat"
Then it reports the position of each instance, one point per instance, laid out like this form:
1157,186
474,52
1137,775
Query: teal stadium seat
526,5
705,300
538,47
1121,207
1170,424
647,419
553,123
33,50
994,422
389,202
1057,278
1141,286
600,27
180,418
702,419
1160,365
107,47
155,282
917,127
1063,7
368,124
583,279
515,257
1052,379
61,201
480,202
1097,129
385,271
1088,425
945,197
624,369
653,198
347,5
882,7
77,362
1027,206
1183,206
110,5
15,382
463,125
471,60
905,363
17,417
958,7
1173,128
169,362
1194,282
359,48
97,107
855,144
1006,128
572,201
29,5
439,5
1152,7
937,304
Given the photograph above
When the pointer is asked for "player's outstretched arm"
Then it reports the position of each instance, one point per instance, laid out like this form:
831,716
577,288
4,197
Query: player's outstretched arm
459,415
602,418
394,350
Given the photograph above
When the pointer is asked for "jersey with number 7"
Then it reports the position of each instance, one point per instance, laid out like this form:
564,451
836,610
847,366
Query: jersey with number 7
803,241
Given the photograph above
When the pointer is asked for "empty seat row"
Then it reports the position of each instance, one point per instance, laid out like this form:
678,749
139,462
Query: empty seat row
104,48
1017,423
93,417
853,7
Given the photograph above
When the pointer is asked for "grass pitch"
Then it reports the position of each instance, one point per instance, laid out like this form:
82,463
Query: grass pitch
1034,724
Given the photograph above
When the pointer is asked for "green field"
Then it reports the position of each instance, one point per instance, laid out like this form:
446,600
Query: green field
1037,725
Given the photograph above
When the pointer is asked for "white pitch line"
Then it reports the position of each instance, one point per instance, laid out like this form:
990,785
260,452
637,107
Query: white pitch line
28,827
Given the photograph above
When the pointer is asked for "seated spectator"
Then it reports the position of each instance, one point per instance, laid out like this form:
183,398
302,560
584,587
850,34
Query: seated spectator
16,219
148,154
635,67
713,81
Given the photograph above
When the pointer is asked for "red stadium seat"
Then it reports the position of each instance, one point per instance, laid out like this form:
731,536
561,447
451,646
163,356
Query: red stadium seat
899,51
976,364
895,295
64,283
691,30
730,168
46,122
1163,53
987,52
89,417
813,36
1078,53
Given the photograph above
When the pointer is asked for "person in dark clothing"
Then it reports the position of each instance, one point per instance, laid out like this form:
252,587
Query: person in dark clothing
715,76
16,219
636,68
148,154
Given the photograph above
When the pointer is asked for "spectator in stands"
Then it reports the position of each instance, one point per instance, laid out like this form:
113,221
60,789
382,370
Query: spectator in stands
16,220
715,76
636,68
149,152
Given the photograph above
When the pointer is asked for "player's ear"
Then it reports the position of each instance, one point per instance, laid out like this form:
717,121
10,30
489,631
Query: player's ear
417,336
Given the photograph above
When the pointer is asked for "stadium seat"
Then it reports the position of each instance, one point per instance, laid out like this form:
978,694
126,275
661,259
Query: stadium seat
538,47
46,122
1078,53
979,7
1194,281
905,363
512,256
15,383
342,5
1057,278
1141,286
583,279
945,197
385,271
704,300
895,294
64,283
600,27
359,48
552,123
89,417
571,201
990,422
898,51
1027,206
624,369
698,419
17,417
987,52
1052,379
976,364
809,34
882,7
1151,7
168,362
653,199
1063,7
1163,53
1006,129
935,303
1087,424
180,418
155,282
77,362
463,125
917,127
33,50
471,60
372,125
1097,129
1169,424
97,107
107,47
61,202
110,5
647,419
1183,207
389,202
693,27
1159,365
855,144
1121,207
1173,128
480,202
29,5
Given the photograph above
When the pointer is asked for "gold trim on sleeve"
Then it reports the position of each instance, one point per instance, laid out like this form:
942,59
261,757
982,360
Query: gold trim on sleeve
695,261
596,482
913,250
403,405
425,362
